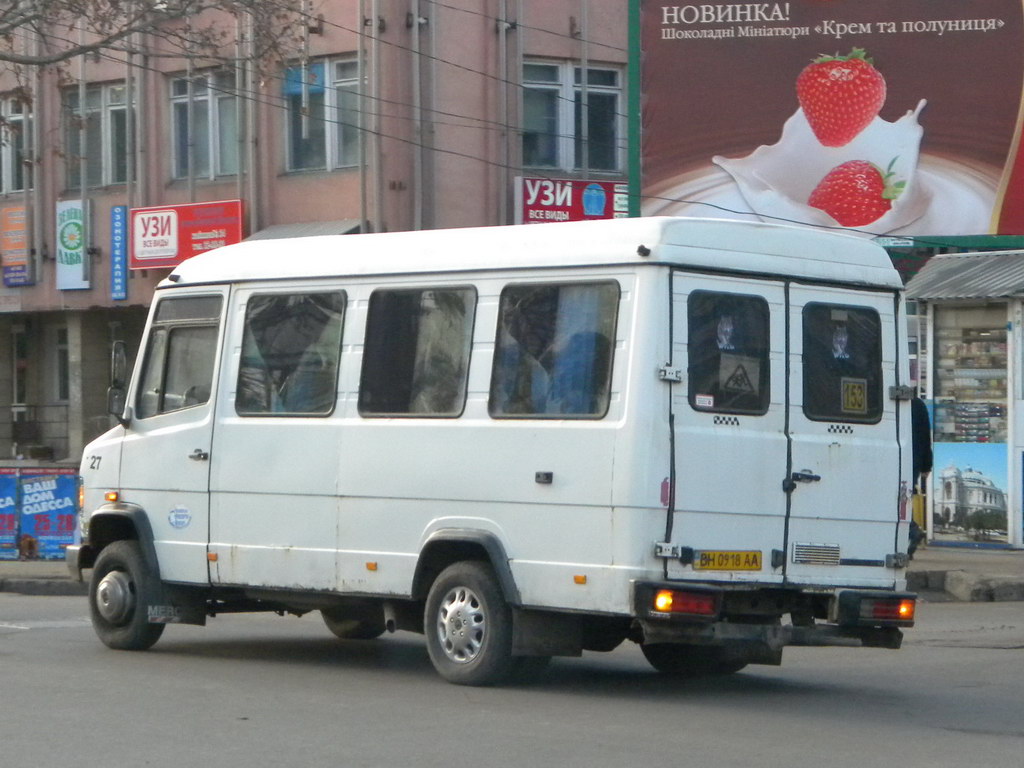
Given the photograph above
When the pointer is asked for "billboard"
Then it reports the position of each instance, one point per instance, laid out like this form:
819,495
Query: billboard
541,200
72,249
14,246
166,235
38,512
884,117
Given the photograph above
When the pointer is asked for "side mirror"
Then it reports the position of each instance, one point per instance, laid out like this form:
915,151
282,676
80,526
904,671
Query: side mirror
119,365
117,393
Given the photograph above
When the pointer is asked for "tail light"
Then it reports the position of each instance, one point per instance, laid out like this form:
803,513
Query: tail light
876,609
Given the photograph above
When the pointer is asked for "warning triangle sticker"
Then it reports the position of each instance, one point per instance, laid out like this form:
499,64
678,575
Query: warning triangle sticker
739,381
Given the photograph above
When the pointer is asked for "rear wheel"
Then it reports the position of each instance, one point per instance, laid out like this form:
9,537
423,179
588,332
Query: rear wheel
468,627
120,594
691,660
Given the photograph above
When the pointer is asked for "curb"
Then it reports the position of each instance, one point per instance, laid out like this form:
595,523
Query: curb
967,587
41,586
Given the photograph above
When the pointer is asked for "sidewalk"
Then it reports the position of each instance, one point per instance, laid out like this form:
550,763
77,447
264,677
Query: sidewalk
937,573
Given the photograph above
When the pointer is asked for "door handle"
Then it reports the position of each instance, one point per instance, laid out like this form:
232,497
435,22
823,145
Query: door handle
199,455
803,476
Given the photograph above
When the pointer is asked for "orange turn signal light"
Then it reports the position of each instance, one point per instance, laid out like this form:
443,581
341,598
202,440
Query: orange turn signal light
111,496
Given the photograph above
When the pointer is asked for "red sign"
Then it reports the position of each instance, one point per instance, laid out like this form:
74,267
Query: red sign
166,235
542,200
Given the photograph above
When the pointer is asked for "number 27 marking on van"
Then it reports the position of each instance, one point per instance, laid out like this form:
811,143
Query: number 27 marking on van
94,461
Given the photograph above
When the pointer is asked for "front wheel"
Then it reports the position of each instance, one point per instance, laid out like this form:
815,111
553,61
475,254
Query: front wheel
120,593
691,660
468,626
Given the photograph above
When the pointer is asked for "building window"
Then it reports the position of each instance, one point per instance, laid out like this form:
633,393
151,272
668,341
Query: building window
213,144
323,115
19,374
106,135
15,123
63,366
558,132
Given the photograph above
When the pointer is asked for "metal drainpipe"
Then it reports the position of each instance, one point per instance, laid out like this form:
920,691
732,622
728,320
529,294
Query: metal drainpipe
82,144
417,120
240,116
584,93
129,97
503,173
251,156
37,176
363,103
378,171
190,115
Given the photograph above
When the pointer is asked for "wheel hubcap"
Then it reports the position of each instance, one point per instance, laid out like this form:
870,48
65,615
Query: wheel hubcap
115,597
461,625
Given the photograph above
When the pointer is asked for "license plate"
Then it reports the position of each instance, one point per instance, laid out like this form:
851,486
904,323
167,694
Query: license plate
724,560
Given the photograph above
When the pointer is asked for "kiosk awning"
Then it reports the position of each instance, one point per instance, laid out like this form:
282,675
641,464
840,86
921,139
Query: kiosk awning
992,275
306,229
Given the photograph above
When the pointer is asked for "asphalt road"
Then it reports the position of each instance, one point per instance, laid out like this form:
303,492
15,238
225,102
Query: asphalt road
268,691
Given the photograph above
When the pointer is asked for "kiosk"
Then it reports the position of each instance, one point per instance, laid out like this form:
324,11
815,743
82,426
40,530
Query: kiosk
971,371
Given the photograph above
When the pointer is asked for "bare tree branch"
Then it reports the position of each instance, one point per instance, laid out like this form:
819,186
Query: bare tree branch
63,29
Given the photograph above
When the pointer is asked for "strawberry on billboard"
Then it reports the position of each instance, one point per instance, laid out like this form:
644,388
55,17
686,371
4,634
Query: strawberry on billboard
166,235
882,117
541,200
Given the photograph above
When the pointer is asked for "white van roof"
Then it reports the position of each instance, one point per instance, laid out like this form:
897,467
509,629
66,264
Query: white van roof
733,246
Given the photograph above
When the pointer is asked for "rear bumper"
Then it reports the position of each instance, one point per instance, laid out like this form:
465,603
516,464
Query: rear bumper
773,618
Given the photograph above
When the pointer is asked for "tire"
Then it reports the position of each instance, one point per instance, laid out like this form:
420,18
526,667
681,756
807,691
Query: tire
359,624
120,593
691,660
468,626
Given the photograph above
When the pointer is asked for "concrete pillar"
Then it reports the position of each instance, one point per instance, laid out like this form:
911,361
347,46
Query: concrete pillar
76,412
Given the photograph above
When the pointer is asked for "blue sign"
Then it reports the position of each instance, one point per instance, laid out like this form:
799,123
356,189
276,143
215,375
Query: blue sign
49,513
119,252
8,514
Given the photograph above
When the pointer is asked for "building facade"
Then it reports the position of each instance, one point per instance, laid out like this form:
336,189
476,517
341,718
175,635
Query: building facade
391,115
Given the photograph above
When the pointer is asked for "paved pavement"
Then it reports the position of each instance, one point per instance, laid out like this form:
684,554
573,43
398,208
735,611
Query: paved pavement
938,573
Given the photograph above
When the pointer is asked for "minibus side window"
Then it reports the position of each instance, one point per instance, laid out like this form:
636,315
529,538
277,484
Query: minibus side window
416,359
291,351
553,352
842,363
727,353
180,354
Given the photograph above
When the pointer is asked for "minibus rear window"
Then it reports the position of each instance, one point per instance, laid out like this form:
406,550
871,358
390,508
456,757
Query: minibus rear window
291,348
553,354
416,359
842,363
727,354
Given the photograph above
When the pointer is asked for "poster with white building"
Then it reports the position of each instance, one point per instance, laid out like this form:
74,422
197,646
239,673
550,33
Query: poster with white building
969,483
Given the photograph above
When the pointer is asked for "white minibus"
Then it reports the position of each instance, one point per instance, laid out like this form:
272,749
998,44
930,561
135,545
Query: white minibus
522,442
